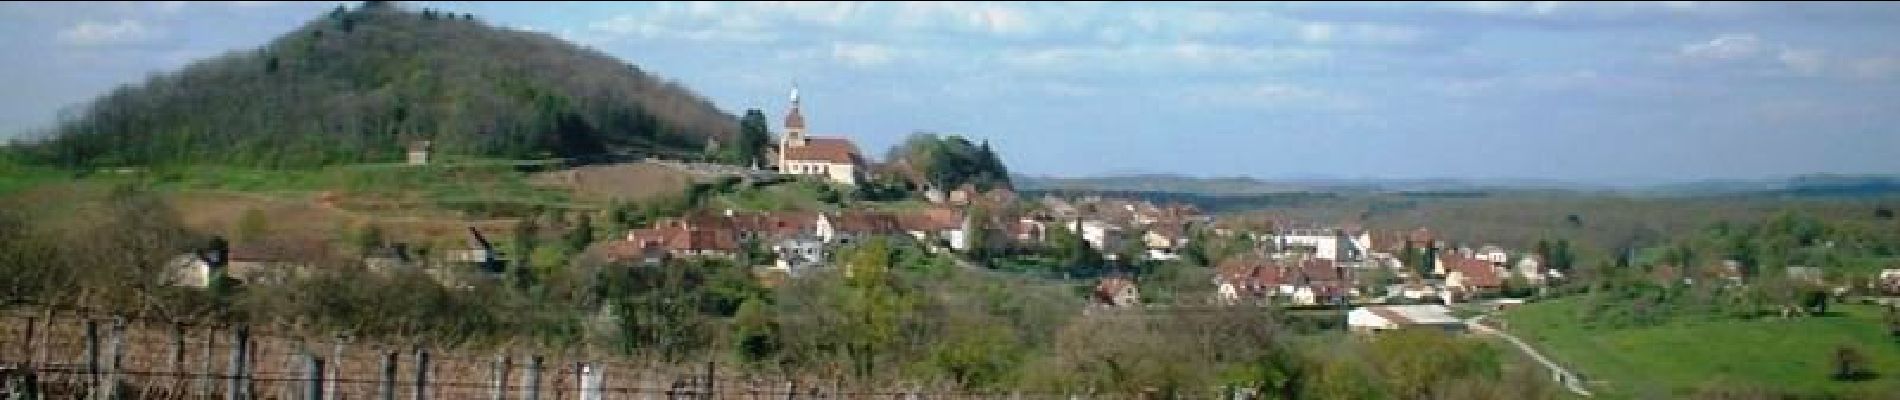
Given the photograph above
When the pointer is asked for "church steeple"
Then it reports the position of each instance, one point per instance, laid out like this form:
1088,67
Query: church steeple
794,122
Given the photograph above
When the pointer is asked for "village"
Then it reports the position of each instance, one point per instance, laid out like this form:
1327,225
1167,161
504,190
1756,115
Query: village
1388,278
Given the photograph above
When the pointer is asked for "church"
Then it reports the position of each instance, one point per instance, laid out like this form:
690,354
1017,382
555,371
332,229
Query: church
834,159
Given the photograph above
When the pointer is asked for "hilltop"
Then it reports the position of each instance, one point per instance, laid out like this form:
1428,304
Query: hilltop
359,85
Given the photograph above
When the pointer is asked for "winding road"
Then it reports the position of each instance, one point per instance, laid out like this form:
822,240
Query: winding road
1557,372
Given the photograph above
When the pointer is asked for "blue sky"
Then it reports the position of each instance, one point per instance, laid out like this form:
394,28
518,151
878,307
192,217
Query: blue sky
1598,92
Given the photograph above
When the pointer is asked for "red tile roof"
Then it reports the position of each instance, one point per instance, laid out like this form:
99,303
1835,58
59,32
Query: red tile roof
826,149
932,219
1318,270
1477,273
676,238
866,222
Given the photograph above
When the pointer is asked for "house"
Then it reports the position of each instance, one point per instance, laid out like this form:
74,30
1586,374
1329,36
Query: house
1531,268
835,159
419,152
678,239
1496,255
1254,279
797,255
768,227
1101,235
1468,277
480,256
937,224
854,225
1247,279
631,252
270,261
1371,319
1028,231
1319,281
1164,239
1324,243
1116,292
1889,281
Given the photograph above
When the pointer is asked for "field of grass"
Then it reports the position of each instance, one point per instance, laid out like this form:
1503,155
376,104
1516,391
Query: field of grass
1680,357
419,204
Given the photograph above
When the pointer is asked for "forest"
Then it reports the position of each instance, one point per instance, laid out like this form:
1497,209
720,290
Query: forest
360,84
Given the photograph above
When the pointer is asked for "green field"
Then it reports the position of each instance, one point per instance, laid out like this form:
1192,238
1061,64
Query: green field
1679,358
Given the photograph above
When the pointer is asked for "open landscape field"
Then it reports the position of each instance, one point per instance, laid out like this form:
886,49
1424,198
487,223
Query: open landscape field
1679,358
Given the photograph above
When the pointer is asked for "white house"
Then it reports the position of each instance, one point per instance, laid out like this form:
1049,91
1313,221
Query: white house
1496,255
1326,243
798,254
189,270
1104,237
1530,269
1384,318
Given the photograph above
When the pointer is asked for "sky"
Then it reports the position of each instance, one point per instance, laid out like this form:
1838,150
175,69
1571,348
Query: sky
1587,92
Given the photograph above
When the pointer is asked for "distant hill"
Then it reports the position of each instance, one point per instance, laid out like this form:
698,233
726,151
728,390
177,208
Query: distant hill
360,84
1815,185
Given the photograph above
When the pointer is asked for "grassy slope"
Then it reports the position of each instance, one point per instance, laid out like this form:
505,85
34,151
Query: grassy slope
420,204
1674,359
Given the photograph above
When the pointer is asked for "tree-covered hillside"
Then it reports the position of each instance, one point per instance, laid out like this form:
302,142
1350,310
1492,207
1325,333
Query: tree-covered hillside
359,84
950,161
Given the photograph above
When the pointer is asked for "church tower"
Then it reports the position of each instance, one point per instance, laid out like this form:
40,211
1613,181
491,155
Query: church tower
794,124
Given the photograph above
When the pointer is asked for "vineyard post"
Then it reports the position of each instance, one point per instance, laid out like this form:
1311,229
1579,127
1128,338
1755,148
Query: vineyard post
422,373
240,358
499,390
532,380
389,374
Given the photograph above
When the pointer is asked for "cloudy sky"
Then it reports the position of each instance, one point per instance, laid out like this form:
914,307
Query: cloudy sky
1599,92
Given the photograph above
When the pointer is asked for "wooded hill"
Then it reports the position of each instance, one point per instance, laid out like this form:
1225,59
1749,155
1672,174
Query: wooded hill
359,84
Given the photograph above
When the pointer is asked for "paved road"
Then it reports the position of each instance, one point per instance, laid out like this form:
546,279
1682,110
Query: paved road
1557,372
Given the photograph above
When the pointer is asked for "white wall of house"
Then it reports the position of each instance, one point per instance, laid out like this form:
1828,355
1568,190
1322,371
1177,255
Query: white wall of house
845,174
795,256
189,271
1530,270
1104,237
1327,244
827,230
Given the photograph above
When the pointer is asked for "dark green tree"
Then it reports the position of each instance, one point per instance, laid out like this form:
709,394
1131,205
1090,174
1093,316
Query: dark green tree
581,235
755,137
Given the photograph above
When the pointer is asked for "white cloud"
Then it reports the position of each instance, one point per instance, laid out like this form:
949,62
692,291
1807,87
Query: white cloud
1180,55
1359,33
996,19
95,33
646,27
1758,57
863,54
1267,95
1726,47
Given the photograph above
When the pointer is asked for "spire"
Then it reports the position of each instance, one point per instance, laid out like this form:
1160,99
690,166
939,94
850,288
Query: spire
795,120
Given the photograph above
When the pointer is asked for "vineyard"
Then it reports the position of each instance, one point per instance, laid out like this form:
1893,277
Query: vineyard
63,355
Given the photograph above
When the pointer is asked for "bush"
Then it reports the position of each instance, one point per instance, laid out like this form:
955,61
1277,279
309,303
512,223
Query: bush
1850,364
